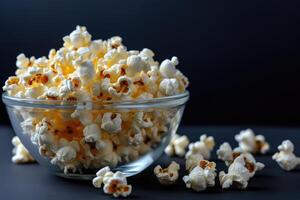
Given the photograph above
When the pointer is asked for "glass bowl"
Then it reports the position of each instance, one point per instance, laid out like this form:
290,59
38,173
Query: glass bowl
76,139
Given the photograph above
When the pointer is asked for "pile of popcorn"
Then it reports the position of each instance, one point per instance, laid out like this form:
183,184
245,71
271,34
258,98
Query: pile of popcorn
202,173
241,164
84,71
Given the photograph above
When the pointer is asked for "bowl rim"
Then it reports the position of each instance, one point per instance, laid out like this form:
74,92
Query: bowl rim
178,99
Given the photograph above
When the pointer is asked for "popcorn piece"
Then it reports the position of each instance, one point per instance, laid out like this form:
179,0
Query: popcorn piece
21,154
121,88
169,175
286,158
78,38
111,122
169,87
177,145
91,133
85,70
167,67
201,176
117,185
135,64
192,160
22,61
102,177
65,156
249,142
226,154
203,147
240,171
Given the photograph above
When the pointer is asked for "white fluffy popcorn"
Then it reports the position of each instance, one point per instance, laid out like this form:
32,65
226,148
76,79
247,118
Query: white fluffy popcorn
22,61
91,133
135,64
249,142
114,183
78,38
169,175
102,177
20,153
169,87
226,154
202,176
117,186
168,67
203,147
240,171
65,156
177,146
192,160
286,158
111,122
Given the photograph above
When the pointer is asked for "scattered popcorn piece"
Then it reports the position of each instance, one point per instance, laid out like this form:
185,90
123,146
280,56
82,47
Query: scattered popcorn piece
102,177
192,160
202,176
203,147
169,175
226,154
240,171
177,145
286,158
21,155
249,142
117,185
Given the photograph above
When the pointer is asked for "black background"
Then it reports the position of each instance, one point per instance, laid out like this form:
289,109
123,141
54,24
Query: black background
242,57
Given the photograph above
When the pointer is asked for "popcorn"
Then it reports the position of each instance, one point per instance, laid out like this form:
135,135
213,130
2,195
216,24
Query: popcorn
102,177
192,160
286,158
169,175
201,176
121,88
203,147
249,142
226,154
169,87
117,186
135,64
65,156
177,145
21,154
22,61
91,133
87,73
111,122
167,67
78,38
240,171
114,183
85,70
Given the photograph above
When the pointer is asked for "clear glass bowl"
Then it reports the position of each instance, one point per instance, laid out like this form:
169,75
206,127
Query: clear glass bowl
55,132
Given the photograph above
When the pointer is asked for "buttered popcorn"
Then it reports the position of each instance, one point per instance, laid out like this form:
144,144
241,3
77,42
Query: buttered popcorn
85,71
